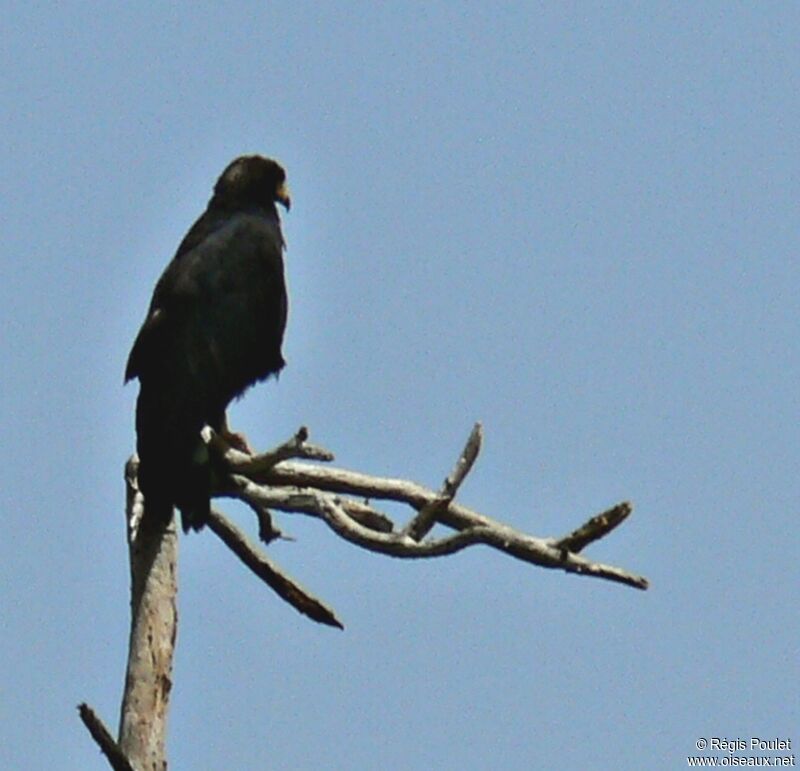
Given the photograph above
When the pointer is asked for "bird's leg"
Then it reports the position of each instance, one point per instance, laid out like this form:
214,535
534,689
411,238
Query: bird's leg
236,440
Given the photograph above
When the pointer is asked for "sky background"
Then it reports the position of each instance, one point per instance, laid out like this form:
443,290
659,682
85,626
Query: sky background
575,222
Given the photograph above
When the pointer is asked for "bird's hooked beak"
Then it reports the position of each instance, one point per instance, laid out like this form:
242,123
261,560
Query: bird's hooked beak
282,196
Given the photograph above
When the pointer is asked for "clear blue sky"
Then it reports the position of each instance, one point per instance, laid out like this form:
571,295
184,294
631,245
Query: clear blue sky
576,222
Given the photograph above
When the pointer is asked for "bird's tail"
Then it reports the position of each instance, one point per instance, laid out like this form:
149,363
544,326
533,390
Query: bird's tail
174,464
194,498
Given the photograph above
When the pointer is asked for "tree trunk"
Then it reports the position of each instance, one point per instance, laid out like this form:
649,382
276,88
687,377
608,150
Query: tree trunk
153,552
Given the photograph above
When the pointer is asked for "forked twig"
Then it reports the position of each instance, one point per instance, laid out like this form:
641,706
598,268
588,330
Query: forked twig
422,524
332,494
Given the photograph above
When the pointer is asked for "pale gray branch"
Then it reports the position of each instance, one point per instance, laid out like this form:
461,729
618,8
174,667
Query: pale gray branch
269,573
427,516
465,463
597,527
537,551
330,493
296,446
295,500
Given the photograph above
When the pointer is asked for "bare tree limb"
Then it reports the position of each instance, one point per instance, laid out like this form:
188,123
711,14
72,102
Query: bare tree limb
595,528
294,500
269,573
296,446
275,480
465,463
422,524
109,748
267,532
537,551
329,493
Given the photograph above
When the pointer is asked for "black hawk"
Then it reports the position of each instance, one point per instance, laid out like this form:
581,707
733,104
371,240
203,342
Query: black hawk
214,328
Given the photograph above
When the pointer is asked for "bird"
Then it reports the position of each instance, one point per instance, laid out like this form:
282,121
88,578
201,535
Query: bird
214,327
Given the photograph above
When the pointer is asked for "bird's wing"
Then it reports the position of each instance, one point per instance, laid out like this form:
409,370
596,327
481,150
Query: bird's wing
218,312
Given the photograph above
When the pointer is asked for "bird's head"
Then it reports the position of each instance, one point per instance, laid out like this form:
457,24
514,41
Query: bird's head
253,179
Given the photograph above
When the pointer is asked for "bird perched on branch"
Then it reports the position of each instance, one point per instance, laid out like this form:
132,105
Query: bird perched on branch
214,328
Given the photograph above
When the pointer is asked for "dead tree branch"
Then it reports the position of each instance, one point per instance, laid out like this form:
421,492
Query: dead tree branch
283,479
422,524
269,573
332,494
103,738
